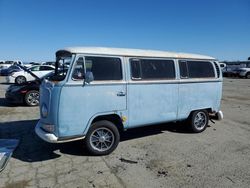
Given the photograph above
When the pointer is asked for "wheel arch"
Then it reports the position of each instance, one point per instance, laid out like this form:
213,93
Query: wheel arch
209,110
114,118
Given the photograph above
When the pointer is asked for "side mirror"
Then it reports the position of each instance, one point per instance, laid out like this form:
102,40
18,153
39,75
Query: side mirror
89,77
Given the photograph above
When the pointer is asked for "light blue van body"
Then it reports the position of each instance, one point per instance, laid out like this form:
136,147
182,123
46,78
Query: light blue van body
71,106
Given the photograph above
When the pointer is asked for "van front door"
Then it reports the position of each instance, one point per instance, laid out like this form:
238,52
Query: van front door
80,101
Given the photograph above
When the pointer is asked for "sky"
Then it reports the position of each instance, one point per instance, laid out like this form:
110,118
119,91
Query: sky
33,30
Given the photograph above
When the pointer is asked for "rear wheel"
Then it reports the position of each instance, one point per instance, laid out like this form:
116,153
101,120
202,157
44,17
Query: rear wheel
20,79
248,75
32,98
199,120
102,138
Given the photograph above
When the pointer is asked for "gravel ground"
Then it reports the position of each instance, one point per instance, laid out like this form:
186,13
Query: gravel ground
166,155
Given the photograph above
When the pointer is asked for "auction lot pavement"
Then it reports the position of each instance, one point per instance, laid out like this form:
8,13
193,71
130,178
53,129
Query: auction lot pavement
166,155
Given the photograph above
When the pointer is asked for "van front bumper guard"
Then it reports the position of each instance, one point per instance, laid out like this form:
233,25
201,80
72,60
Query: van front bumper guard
52,138
219,115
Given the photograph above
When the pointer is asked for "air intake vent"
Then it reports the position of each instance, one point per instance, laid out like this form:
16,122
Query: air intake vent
217,69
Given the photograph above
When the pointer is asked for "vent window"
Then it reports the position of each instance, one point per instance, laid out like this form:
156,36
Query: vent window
217,69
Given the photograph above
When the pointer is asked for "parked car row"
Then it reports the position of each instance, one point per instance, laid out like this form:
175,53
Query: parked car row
7,64
26,83
9,70
28,92
24,75
236,69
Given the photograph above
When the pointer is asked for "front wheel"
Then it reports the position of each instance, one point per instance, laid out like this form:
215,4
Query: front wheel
199,120
102,138
32,98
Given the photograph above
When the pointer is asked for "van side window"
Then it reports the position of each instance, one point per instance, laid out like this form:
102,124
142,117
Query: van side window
152,69
104,68
196,69
78,73
200,69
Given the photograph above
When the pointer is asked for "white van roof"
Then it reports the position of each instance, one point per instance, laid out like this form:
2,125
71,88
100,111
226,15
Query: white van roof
133,52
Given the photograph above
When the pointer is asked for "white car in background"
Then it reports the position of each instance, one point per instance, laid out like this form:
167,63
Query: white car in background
244,72
23,76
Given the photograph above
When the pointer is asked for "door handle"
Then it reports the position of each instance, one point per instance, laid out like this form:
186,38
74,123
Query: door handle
121,93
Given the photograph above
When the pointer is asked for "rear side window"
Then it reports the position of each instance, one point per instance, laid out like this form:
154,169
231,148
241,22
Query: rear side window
196,69
46,68
104,68
36,68
152,69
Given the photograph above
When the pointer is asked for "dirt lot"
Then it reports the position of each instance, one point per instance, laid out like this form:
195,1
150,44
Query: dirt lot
165,155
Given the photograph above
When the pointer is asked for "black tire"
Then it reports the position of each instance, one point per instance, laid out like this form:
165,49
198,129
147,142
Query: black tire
248,75
199,121
93,143
20,80
31,98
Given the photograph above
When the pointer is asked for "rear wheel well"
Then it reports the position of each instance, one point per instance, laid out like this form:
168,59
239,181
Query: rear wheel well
209,110
114,118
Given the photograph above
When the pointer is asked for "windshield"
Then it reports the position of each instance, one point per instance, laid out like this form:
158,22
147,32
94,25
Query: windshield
14,67
62,65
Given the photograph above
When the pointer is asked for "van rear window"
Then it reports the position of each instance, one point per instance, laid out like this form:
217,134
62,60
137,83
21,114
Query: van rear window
196,69
152,69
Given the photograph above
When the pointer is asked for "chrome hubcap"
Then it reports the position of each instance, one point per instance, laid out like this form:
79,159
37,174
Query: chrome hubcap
33,98
102,139
200,120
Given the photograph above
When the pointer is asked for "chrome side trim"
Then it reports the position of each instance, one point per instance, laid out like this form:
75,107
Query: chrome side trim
174,81
95,83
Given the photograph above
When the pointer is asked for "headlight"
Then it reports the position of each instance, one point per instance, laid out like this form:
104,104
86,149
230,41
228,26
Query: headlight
44,111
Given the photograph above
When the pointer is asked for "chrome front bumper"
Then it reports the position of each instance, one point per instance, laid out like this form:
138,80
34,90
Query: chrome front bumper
50,137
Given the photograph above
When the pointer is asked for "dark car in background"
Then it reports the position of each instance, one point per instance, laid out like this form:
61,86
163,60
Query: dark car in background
8,71
26,93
